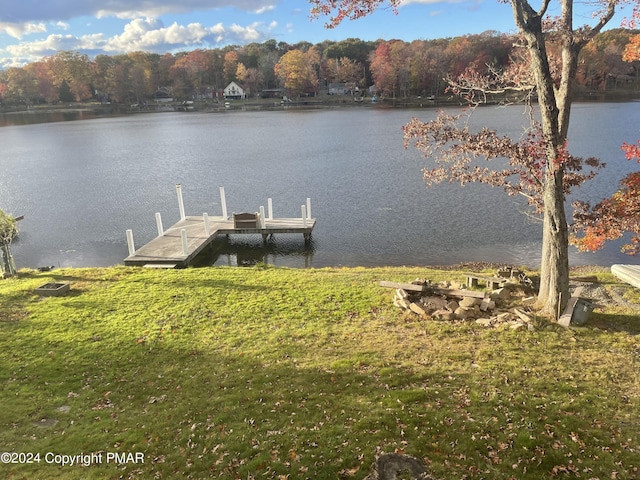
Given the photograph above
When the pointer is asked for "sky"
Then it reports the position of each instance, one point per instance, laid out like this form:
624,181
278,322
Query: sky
33,29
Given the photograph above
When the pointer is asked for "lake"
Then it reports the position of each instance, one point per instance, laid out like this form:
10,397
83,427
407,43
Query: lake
81,184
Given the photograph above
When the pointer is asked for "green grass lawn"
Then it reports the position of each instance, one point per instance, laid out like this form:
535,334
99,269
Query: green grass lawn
248,373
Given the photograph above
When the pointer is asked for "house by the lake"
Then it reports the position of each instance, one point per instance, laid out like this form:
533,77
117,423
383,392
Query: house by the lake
233,91
162,95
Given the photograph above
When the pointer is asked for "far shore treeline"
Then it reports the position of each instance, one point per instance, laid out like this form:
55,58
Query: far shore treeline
392,68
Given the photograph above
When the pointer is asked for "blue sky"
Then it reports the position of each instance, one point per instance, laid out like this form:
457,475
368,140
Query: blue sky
33,29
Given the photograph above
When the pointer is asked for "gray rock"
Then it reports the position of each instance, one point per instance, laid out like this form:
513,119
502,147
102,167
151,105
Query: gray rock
468,302
389,466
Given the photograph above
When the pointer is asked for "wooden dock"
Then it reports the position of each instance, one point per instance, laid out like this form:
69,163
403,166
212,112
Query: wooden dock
166,250
177,246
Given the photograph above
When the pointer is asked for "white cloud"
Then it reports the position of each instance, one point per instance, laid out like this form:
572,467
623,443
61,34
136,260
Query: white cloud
19,30
265,9
141,34
151,35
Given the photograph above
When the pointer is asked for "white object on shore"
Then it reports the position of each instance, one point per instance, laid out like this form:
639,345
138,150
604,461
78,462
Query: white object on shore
627,273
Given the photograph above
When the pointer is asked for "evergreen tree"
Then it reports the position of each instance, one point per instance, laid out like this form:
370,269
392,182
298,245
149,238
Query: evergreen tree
65,94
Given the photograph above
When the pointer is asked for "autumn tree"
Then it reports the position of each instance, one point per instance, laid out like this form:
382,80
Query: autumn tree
613,217
22,85
619,214
297,71
345,70
72,68
191,69
384,77
554,91
230,66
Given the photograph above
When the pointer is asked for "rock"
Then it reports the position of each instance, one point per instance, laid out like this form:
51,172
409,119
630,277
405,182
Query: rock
468,302
402,294
523,316
501,294
487,304
463,313
516,326
417,308
503,317
452,305
401,303
443,314
485,322
434,303
391,466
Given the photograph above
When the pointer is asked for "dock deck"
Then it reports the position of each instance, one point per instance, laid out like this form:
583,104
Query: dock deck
167,250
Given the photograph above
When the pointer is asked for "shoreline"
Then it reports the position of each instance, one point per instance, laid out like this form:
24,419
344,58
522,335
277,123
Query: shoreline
321,101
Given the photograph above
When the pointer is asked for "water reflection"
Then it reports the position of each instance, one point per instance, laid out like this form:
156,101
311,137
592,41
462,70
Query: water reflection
246,252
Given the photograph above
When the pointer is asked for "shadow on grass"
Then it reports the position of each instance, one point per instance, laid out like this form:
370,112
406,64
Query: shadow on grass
615,322
244,411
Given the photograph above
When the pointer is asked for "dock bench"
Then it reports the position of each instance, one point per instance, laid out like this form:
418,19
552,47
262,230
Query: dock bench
246,220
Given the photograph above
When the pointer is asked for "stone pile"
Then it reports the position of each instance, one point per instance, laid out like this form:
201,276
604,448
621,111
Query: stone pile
505,307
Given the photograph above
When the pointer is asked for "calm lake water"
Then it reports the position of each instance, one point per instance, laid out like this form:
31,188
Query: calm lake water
81,184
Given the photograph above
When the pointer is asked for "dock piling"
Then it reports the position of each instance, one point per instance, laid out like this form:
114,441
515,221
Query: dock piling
304,216
223,202
159,224
270,208
308,208
180,201
207,229
132,248
185,246
262,224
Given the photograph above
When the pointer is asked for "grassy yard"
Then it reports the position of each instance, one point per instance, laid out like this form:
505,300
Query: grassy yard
251,373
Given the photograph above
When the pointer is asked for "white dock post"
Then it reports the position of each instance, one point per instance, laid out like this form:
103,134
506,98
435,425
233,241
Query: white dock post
185,248
262,224
308,208
223,202
270,208
304,216
207,230
159,224
132,248
180,201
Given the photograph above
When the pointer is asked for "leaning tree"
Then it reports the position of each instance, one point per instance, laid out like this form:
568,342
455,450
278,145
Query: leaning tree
8,231
553,79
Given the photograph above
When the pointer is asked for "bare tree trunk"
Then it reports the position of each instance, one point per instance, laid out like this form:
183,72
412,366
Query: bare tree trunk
555,110
7,265
554,269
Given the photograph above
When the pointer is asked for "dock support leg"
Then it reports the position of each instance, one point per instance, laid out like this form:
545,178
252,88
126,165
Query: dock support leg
262,224
207,230
223,202
265,236
159,224
180,201
304,216
185,246
309,208
270,208
130,244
